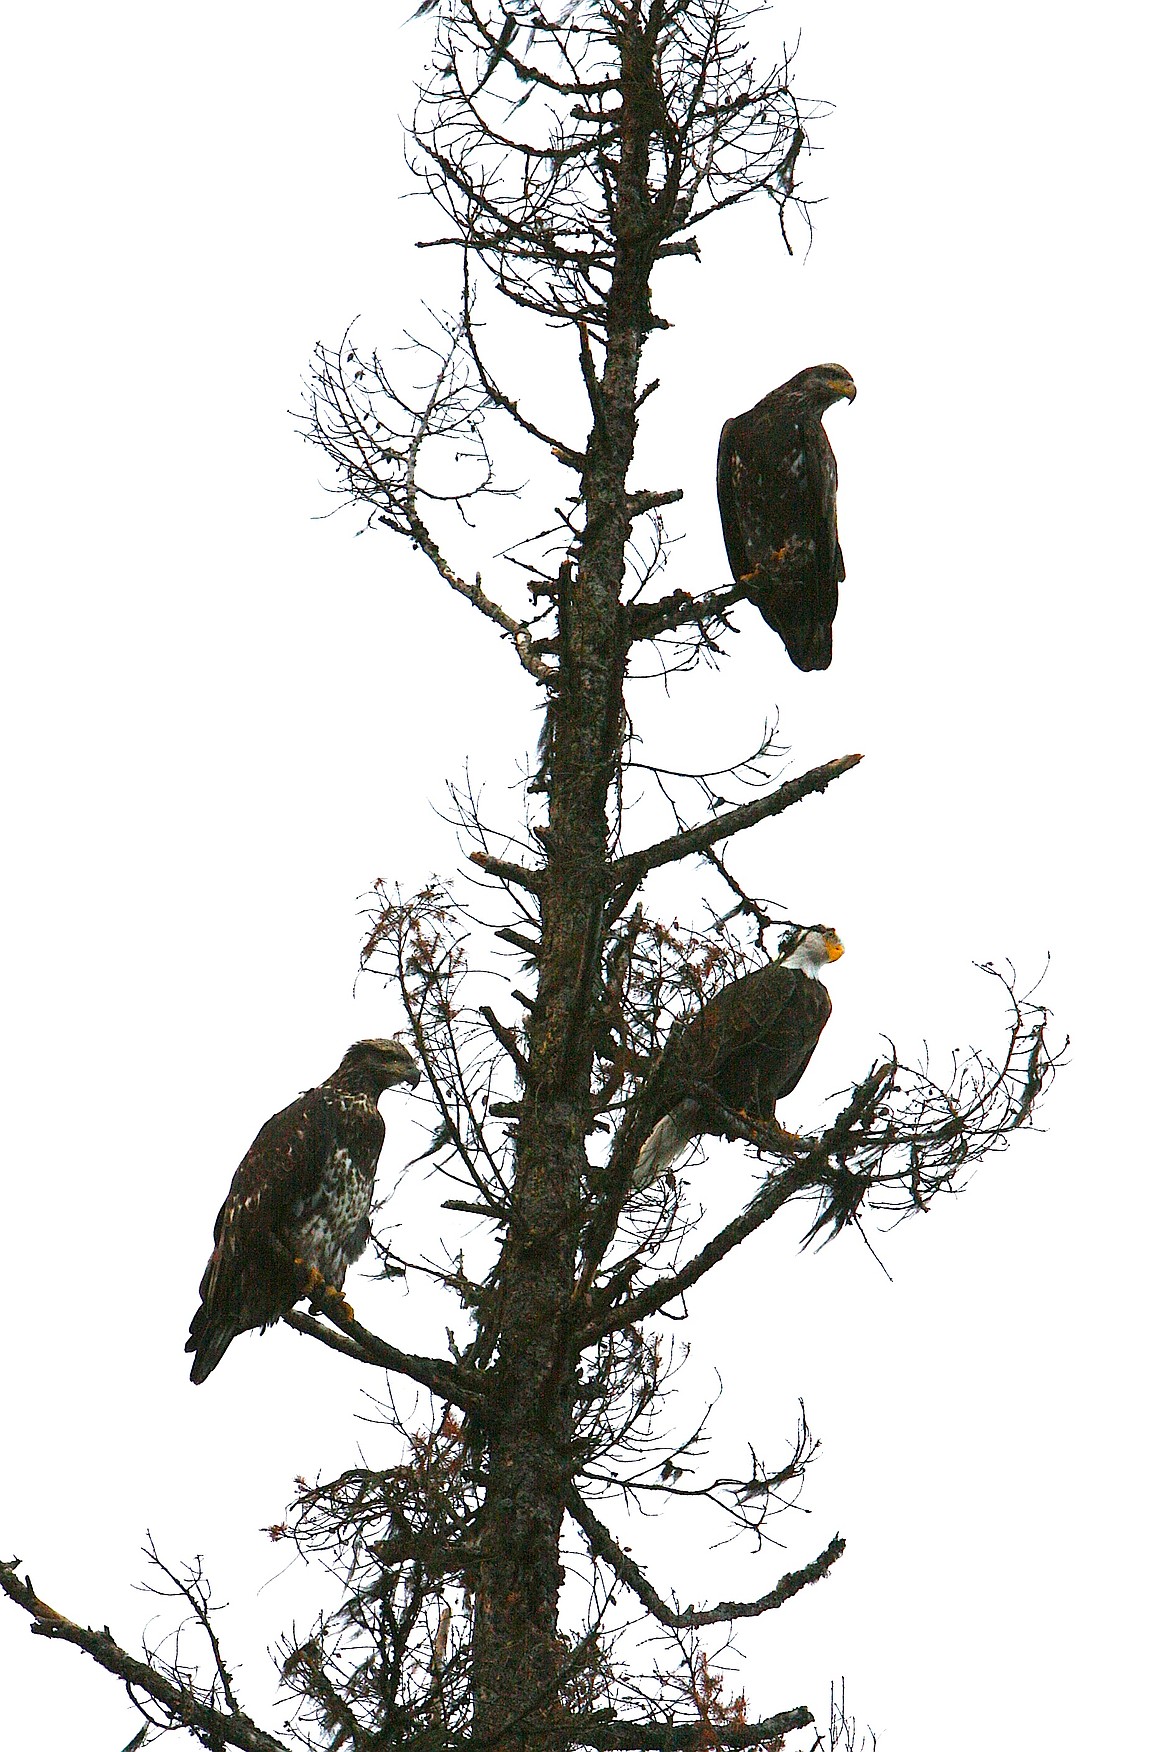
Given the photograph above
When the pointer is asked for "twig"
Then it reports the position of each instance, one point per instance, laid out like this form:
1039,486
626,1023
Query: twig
520,874
507,1040
626,873
185,1708
604,1545
443,1379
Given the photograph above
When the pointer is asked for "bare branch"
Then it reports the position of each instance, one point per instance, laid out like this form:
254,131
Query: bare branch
605,1546
563,452
183,1705
519,941
688,1736
650,619
520,874
441,1378
645,500
776,1191
380,437
626,873
478,598
506,1038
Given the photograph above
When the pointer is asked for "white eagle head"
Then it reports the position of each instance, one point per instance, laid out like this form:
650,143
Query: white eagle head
815,946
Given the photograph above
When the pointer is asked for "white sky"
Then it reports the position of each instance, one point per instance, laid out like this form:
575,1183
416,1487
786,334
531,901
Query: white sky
224,719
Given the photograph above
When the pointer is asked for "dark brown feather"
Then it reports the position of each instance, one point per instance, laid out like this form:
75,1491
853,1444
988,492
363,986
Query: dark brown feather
250,1279
777,488
747,1047
752,1041
301,1194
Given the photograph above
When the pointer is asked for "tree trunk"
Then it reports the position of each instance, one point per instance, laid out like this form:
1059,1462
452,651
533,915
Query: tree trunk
518,1657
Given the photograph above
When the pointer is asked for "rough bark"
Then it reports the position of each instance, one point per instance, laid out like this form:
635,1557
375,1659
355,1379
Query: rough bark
517,1653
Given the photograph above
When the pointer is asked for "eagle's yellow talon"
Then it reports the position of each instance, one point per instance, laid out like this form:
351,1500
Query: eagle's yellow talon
340,1305
323,1145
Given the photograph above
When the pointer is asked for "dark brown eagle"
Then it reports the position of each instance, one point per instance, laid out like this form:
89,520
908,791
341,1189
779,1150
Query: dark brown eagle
745,1049
298,1210
777,483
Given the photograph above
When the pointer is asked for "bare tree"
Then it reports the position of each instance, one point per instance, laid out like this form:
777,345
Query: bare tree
485,1598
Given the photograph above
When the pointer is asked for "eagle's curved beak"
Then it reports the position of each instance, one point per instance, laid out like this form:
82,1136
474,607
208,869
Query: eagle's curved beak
834,948
847,388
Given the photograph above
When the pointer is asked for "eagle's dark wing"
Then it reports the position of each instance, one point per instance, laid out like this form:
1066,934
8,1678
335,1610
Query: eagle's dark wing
823,476
754,1039
250,1280
747,1047
728,472
777,488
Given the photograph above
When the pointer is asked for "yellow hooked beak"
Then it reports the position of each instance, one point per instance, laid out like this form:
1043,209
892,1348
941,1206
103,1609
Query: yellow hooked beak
834,948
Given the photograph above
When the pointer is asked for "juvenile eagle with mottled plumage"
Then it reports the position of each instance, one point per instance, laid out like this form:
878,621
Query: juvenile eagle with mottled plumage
743,1051
777,485
297,1213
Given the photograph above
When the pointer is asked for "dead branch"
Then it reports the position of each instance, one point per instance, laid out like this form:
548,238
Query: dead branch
507,1040
441,1378
649,620
379,439
519,874
627,873
185,1706
688,1736
776,1191
605,1546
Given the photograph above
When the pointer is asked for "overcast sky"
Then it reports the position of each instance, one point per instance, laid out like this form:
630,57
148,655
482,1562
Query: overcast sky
223,719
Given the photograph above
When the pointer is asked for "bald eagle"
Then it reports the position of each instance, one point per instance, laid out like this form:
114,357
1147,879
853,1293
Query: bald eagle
298,1209
777,484
745,1049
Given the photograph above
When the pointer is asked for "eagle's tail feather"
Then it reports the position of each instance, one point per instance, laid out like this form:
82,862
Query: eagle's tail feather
669,1139
209,1346
810,644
